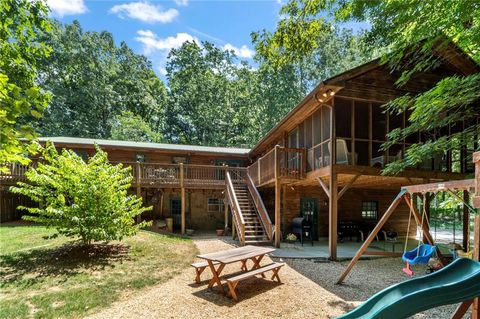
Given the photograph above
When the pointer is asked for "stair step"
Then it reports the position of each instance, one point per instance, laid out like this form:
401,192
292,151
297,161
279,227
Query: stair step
265,242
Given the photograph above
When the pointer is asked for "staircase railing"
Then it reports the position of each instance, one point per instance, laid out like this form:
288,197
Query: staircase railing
236,211
262,211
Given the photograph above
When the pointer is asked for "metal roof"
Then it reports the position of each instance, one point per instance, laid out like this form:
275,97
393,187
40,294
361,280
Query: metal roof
145,145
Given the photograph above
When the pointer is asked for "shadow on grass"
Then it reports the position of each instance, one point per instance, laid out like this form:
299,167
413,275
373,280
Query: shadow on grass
69,259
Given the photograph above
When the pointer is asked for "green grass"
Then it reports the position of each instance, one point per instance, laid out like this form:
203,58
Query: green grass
50,278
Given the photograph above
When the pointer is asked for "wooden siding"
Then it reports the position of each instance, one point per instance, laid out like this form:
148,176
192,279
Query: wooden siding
9,203
349,207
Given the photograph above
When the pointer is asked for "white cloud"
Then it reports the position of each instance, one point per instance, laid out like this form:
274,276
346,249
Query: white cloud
62,8
151,42
181,3
157,48
242,52
144,12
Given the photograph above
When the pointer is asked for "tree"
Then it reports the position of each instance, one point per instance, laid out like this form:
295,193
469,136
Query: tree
93,81
204,106
130,127
411,31
21,99
82,199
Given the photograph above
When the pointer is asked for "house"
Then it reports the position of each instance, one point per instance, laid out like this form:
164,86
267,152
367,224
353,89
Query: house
295,170
156,170
299,171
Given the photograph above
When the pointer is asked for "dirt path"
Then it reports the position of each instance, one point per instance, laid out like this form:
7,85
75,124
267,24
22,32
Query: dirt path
296,297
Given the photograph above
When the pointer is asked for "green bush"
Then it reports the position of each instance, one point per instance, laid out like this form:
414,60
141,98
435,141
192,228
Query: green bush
86,199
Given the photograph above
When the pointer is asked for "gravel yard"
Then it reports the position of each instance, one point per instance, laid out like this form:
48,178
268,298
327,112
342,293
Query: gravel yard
307,291
366,278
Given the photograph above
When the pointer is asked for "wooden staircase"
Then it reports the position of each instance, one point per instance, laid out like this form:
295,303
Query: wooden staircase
254,230
251,220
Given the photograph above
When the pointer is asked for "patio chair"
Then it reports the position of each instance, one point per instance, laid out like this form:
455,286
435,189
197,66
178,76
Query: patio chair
343,155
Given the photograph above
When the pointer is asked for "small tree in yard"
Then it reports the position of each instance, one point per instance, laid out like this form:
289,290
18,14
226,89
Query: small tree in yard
87,199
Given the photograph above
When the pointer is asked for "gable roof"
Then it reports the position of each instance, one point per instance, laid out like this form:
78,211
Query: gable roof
449,52
179,148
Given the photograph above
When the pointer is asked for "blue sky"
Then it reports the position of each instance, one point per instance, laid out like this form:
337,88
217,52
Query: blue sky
154,27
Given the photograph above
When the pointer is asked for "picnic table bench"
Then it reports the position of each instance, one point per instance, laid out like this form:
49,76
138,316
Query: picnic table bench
218,260
233,281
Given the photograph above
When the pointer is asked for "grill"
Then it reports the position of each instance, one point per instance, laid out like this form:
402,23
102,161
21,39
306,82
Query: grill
302,228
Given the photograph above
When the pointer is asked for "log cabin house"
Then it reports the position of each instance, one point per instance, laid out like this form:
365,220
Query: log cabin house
295,170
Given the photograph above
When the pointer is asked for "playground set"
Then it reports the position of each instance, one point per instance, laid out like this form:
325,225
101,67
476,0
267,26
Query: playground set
455,282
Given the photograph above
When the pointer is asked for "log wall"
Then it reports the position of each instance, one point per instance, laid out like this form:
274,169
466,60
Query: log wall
349,207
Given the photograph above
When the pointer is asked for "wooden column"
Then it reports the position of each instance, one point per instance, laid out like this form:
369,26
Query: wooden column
333,217
333,198
183,204
139,188
225,204
466,220
476,237
476,256
278,190
233,228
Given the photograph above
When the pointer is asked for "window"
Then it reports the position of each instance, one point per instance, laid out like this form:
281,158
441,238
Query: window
370,210
140,158
215,205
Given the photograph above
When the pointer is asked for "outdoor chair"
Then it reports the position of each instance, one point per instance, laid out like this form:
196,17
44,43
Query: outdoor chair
343,155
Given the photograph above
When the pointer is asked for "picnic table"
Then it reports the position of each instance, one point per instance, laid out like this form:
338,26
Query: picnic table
241,254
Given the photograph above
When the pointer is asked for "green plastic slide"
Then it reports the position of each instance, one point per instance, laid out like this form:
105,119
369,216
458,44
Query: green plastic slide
457,282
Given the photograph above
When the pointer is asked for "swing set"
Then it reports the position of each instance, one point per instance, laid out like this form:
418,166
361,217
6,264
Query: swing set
422,254
431,290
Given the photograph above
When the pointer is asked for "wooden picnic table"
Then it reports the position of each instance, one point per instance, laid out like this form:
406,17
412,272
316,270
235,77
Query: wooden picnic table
241,254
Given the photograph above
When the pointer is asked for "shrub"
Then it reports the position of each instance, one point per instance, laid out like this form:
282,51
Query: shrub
86,199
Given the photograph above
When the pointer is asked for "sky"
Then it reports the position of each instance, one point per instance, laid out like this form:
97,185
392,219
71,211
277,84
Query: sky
154,27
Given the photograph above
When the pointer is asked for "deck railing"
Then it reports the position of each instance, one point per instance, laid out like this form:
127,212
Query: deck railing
157,174
262,211
16,172
280,162
239,223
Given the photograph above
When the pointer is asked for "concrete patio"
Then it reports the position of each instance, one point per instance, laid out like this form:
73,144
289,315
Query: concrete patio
346,250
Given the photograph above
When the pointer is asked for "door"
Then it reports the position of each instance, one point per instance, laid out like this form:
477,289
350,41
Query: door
176,210
309,210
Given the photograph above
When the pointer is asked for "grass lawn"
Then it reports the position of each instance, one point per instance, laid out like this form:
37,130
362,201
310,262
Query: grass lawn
60,278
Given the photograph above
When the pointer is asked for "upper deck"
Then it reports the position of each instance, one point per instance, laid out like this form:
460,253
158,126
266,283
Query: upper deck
155,175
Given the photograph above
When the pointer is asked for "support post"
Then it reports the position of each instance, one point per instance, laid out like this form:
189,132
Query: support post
182,184
225,204
139,188
333,189
476,256
466,220
277,199
333,216
233,228
427,202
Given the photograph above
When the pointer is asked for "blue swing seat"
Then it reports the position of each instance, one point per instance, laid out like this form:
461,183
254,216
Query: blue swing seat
420,255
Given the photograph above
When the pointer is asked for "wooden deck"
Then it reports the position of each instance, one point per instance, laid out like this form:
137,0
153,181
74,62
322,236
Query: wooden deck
289,167
156,175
